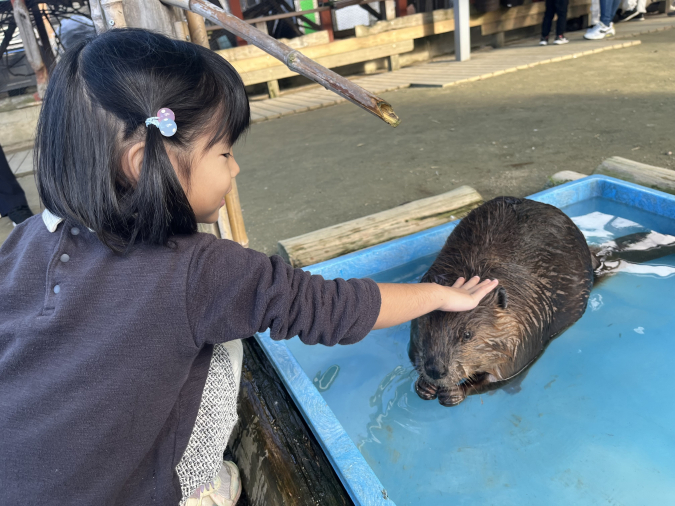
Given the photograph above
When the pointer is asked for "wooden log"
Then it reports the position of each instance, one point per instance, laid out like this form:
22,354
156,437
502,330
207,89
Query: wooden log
280,461
377,228
293,59
639,173
565,176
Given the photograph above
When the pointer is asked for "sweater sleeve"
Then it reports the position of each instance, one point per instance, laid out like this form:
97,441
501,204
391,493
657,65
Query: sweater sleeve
233,292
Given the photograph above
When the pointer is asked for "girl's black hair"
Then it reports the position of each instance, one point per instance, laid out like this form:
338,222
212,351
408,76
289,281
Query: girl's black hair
95,107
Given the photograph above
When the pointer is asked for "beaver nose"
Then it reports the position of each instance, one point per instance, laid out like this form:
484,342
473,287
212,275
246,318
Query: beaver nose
435,370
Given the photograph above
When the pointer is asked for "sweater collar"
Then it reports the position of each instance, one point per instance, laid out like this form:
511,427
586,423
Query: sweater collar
50,220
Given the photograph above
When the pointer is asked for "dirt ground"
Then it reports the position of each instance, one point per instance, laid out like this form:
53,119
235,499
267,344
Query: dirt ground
503,136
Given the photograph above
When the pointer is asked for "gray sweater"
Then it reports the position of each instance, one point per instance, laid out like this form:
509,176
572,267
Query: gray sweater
103,357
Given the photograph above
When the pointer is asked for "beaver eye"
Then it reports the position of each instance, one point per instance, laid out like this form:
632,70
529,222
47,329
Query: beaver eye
467,335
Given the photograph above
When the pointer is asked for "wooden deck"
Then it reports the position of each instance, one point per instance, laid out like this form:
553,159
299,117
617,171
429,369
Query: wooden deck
445,71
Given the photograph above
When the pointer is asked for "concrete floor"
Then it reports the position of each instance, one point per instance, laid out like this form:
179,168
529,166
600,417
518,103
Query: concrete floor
505,135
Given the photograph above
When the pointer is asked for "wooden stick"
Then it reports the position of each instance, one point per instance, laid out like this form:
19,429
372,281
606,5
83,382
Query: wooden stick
231,225
236,217
360,233
293,59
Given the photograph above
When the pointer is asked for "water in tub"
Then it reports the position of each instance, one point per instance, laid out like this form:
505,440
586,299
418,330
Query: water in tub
591,422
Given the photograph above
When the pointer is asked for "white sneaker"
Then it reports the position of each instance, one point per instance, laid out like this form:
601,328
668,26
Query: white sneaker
600,31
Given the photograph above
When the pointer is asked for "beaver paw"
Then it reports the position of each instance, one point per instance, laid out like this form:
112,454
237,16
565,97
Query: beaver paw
451,396
425,390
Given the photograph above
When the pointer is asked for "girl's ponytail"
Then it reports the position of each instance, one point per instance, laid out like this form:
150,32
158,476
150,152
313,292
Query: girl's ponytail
159,202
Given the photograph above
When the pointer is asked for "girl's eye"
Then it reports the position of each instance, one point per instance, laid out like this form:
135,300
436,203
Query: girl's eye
227,155
467,335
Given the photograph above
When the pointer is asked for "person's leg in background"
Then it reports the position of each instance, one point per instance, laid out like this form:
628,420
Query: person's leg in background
605,27
548,21
561,24
12,198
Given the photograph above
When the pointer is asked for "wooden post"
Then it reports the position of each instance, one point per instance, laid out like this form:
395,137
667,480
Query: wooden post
236,216
401,8
326,18
197,27
97,16
462,31
30,44
235,10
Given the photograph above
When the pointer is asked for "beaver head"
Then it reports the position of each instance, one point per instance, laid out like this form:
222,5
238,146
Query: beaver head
458,349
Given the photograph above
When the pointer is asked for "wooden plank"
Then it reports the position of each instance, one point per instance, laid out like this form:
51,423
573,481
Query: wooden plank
280,461
281,71
364,232
250,51
315,52
639,173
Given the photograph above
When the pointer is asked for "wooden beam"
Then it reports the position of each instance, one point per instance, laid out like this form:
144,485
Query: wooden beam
280,461
113,11
197,27
377,228
639,173
30,44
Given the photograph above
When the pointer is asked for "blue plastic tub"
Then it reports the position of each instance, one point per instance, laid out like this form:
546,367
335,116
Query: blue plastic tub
590,423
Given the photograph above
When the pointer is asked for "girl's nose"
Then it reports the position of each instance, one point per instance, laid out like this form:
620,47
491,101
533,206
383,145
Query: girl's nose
234,167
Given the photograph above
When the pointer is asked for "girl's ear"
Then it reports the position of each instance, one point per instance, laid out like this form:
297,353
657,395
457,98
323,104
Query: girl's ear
132,161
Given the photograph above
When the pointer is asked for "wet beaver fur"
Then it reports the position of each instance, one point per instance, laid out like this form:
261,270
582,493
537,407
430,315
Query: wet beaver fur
545,273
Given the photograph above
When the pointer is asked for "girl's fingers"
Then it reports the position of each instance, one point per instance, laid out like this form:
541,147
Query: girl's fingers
471,283
484,288
458,283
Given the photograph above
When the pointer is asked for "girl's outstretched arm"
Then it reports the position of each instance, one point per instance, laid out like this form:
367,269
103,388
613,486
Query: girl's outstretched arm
405,302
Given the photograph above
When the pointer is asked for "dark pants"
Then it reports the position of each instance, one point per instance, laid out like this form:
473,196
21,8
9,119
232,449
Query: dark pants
553,7
11,194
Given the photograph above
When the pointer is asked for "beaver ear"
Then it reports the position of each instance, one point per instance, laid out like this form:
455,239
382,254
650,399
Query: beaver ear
502,297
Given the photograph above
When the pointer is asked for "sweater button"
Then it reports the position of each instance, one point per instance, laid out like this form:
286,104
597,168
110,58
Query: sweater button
64,258
75,231
57,289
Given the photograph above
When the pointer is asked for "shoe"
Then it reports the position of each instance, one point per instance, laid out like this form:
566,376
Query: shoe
560,39
20,214
224,490
639,17
600,31
628,15
543,41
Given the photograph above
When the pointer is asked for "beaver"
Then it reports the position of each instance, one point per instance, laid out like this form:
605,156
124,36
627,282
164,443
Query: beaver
545,271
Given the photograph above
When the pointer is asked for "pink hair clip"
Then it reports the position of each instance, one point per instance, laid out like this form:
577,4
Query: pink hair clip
165,121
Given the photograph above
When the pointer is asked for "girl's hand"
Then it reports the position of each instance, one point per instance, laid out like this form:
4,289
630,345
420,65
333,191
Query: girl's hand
404,302
465,295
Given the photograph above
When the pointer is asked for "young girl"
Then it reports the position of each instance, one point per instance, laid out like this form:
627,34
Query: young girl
115,384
